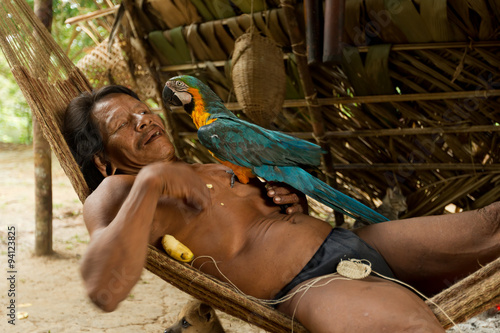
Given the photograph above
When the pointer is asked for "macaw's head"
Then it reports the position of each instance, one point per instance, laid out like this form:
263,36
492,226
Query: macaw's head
189,92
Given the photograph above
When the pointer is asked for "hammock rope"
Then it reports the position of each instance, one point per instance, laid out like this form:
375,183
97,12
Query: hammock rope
49,81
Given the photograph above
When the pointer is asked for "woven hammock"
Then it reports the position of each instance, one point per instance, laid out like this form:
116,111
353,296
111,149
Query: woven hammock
49,81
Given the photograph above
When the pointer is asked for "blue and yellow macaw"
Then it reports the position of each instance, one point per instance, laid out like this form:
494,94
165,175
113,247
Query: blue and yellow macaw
250,150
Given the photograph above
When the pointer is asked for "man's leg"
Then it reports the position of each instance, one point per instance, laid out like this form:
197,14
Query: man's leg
433,252
370,305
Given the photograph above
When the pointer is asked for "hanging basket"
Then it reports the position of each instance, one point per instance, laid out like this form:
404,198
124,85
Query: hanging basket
259,77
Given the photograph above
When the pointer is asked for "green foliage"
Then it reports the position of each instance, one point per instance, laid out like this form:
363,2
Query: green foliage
15,115
65,9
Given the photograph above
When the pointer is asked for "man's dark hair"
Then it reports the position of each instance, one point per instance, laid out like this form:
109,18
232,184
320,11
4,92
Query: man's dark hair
82,133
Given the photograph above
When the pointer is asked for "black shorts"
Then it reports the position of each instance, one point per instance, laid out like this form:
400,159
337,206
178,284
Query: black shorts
340,244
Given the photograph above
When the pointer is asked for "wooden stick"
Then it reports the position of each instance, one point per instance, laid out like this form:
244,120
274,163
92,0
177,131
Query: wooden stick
89,33
93,15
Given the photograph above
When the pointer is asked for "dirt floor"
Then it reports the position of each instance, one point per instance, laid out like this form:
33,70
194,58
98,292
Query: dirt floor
49,289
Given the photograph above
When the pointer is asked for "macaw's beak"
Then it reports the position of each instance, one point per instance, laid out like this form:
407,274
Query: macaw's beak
169,97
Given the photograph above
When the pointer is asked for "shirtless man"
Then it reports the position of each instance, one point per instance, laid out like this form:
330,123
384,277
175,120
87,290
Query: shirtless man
142,193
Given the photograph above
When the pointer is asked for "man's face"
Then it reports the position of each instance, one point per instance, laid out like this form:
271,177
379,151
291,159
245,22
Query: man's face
133,136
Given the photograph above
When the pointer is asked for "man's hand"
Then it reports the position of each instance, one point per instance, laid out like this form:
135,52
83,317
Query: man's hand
293,200
178,180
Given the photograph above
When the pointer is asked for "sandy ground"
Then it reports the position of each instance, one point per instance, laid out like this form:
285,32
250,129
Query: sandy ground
49,289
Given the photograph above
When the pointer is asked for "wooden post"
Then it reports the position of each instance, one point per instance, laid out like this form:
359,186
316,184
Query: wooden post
139,33
318,124
43,162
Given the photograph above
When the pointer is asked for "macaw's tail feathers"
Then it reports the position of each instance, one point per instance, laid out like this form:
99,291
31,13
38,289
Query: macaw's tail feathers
320,191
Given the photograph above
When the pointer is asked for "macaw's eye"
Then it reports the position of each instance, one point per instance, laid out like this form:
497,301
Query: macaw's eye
185,323
179,83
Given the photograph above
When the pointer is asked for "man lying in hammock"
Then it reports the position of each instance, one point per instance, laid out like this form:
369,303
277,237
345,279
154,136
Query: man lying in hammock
141,192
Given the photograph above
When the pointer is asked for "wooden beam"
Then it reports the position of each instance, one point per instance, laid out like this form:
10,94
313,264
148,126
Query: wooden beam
295,103
362,49
436,46
92,15
412,131
199,65
384,132
418,166
406,97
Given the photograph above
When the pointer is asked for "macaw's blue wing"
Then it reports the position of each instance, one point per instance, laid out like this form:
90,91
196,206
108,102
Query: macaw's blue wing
276,157
318,190
248,145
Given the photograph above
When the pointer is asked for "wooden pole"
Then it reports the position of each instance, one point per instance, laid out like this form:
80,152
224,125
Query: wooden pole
299,50
43,162
139,33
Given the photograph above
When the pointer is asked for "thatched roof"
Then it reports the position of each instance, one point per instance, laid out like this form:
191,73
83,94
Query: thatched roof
408,97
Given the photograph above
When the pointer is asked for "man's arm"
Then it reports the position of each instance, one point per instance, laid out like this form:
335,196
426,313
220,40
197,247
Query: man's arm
118,216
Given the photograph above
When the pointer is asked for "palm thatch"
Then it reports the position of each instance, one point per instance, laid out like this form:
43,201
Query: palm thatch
411,102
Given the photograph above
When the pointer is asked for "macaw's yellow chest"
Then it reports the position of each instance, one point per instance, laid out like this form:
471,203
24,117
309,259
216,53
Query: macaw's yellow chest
200,114
200,118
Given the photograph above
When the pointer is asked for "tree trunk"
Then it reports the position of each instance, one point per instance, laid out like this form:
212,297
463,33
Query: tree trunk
42,160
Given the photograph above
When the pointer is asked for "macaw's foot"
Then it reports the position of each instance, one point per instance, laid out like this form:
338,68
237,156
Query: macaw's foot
233,176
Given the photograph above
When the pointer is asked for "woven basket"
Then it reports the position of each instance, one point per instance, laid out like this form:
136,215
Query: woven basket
259,77
103,68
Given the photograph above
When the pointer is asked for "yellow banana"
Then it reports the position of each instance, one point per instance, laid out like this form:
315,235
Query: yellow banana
176,249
